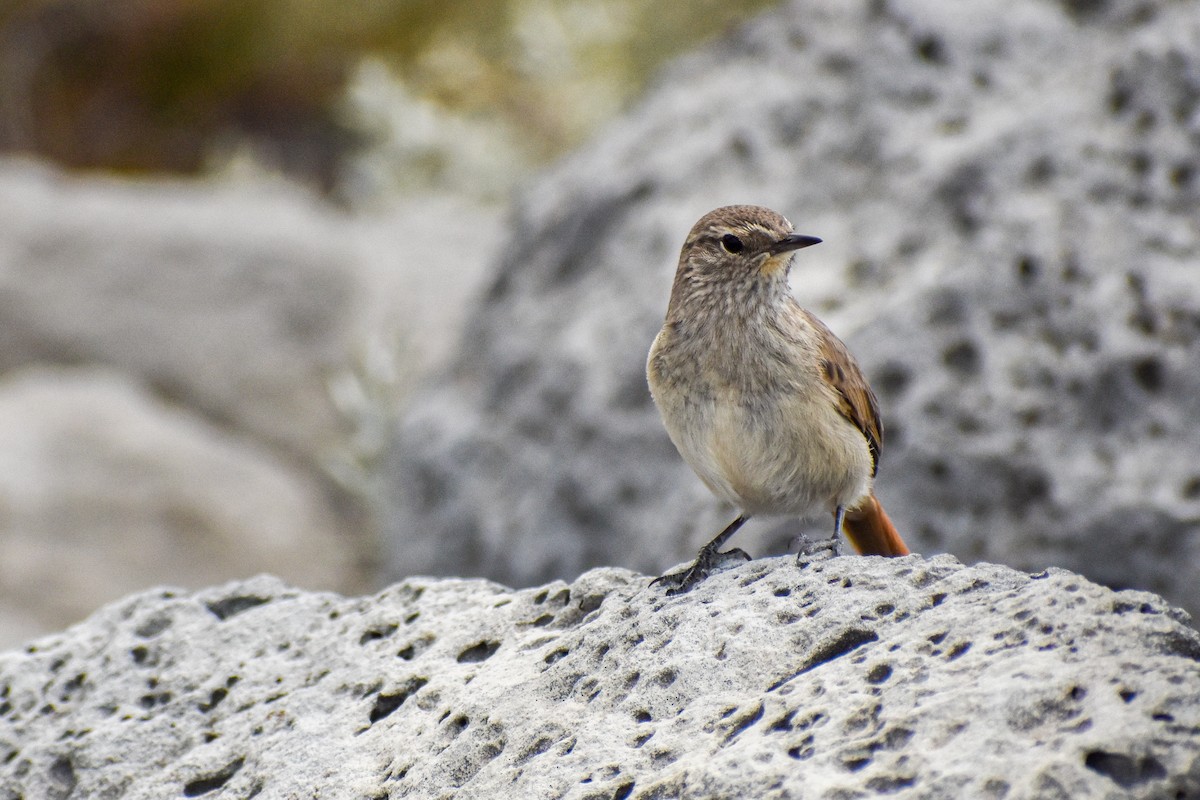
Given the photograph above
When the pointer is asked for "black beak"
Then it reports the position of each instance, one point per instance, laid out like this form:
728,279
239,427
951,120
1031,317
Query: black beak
793,241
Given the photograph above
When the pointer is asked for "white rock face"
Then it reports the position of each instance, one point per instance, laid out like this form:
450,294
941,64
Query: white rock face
1008,197
854,677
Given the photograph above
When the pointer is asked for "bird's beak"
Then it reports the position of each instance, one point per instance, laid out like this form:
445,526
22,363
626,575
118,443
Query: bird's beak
793,241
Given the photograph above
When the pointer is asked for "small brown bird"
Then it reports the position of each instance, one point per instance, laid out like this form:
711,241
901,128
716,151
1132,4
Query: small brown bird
763,402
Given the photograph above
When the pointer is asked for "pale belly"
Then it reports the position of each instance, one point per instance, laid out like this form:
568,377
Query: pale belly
774,456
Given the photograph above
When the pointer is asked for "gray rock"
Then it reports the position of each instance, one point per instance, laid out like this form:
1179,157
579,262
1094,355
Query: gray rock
104,489
235,301
855,677
1008,199
191,380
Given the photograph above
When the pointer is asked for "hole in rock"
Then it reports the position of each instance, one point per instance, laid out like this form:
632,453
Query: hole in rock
743,722
1124,770
214,699
958,650
890,784
62,773
845,642
962,357
373,634
784,723
235,604
385,704
539,746
800,752
153,626
623,791
210,783
930,48
478,652
879,673
1191,488
149,701
590,603
1149,374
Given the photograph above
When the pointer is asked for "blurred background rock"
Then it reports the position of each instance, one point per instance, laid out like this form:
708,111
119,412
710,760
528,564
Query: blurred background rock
233,237
352,291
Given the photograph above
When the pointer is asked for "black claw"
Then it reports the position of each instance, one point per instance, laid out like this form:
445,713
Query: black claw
707,563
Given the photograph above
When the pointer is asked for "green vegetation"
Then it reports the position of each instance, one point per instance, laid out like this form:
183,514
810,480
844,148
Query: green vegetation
307,86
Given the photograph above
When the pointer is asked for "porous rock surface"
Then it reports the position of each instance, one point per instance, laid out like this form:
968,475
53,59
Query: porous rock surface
853,677
1008,199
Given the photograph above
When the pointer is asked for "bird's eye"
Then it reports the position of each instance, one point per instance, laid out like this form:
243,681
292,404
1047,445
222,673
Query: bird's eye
732,244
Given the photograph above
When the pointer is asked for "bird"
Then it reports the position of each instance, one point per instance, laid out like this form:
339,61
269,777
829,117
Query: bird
761,399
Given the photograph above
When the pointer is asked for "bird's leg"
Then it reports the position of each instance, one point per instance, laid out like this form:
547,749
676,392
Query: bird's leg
809,548
839,516
708,561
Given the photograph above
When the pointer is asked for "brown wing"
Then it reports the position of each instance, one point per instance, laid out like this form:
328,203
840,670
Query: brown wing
858,403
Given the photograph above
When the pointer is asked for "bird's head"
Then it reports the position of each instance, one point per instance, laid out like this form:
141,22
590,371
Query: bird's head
739,244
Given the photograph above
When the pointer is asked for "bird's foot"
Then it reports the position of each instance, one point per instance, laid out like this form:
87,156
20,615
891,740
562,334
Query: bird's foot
811,552
708,562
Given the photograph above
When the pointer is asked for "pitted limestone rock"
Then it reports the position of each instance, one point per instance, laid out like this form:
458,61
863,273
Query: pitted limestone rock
853,677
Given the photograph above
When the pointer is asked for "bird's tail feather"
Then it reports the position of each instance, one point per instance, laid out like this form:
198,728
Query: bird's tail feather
871,531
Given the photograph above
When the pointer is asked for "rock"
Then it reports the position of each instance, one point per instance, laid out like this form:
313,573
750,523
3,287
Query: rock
1007,197
234,301
267,339
854,677
105,489
423,260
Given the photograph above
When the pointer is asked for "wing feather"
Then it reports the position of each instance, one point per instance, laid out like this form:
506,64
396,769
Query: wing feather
857,402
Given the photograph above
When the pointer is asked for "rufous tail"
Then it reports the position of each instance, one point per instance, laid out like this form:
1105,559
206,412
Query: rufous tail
871,531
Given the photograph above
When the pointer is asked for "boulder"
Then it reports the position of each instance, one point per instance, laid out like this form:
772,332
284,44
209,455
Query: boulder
853,677
105,489
235,301
1008,200
252,342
